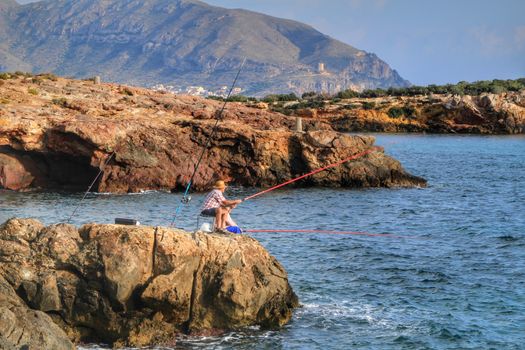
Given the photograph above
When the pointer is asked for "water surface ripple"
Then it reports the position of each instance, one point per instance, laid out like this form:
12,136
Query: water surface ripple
455,281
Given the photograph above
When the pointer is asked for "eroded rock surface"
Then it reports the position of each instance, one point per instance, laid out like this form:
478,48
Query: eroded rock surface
485,114
63,132
132,286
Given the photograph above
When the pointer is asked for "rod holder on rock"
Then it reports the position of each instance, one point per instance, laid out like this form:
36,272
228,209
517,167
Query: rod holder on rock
299,124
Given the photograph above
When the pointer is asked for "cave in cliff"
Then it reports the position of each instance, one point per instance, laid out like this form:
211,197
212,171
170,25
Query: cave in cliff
21,170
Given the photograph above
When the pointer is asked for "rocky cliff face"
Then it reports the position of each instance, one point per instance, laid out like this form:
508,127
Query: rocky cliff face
58,133
132,286
182,42
485,114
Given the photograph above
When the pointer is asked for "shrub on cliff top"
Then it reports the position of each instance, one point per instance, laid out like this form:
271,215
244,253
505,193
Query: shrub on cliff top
241,98
350,106
126,91
308,94
368,105
22,74
215,98
49,76
280,97
396,112
462,88
347,94
62,102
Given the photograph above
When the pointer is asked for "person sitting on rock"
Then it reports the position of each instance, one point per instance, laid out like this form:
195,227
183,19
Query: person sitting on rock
216,205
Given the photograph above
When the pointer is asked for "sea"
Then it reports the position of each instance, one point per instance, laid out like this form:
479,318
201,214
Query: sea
447,270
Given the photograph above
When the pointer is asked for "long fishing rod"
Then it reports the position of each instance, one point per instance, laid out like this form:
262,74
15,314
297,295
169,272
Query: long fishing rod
185,199
355,156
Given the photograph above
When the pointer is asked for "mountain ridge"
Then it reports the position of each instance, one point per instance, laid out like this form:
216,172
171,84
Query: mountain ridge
187,42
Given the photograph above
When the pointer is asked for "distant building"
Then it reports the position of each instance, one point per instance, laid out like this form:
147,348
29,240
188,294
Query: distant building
196,90
320,68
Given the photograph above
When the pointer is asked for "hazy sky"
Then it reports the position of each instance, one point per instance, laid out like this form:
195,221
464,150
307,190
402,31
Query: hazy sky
426,41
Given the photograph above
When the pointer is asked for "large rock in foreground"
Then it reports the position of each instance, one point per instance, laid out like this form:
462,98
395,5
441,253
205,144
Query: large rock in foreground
134,286
61,137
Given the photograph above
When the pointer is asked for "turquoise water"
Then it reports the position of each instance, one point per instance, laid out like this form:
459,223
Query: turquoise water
455,280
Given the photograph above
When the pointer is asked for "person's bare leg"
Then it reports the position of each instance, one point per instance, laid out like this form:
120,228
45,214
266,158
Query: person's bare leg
229,221
222,218
218,217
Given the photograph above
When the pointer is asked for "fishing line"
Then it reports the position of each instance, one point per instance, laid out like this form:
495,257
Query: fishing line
185,198
327,232
118,145
91,185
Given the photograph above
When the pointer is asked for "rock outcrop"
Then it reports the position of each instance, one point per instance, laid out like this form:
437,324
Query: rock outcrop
24,328
58,133
485,114
132,286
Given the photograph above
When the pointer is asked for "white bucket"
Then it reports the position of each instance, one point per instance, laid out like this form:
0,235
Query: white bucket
205,227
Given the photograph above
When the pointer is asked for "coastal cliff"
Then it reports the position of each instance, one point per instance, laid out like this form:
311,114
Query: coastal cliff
486,113
59,133
132,286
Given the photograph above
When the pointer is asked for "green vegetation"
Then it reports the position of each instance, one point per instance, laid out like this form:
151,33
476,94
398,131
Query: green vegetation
406,111
319,100
234,98
308,95
348,94
369,105
62,102
126,92
462,88
22,74
49,76
280,98
38,77
241,98
350,106
32,91
215,98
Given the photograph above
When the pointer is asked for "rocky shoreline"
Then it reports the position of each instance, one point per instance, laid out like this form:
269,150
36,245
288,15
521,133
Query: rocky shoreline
58,133
132,286
440,114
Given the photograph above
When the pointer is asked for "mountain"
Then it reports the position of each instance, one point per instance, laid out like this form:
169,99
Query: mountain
181,42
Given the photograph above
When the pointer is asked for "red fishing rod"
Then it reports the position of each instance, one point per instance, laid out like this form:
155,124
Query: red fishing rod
355,156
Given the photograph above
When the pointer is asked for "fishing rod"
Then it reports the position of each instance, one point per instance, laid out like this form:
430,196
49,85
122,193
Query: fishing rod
91,185
185,198
353,157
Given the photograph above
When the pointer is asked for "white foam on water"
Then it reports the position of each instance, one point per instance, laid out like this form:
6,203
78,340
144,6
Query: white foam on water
345,313
140,193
